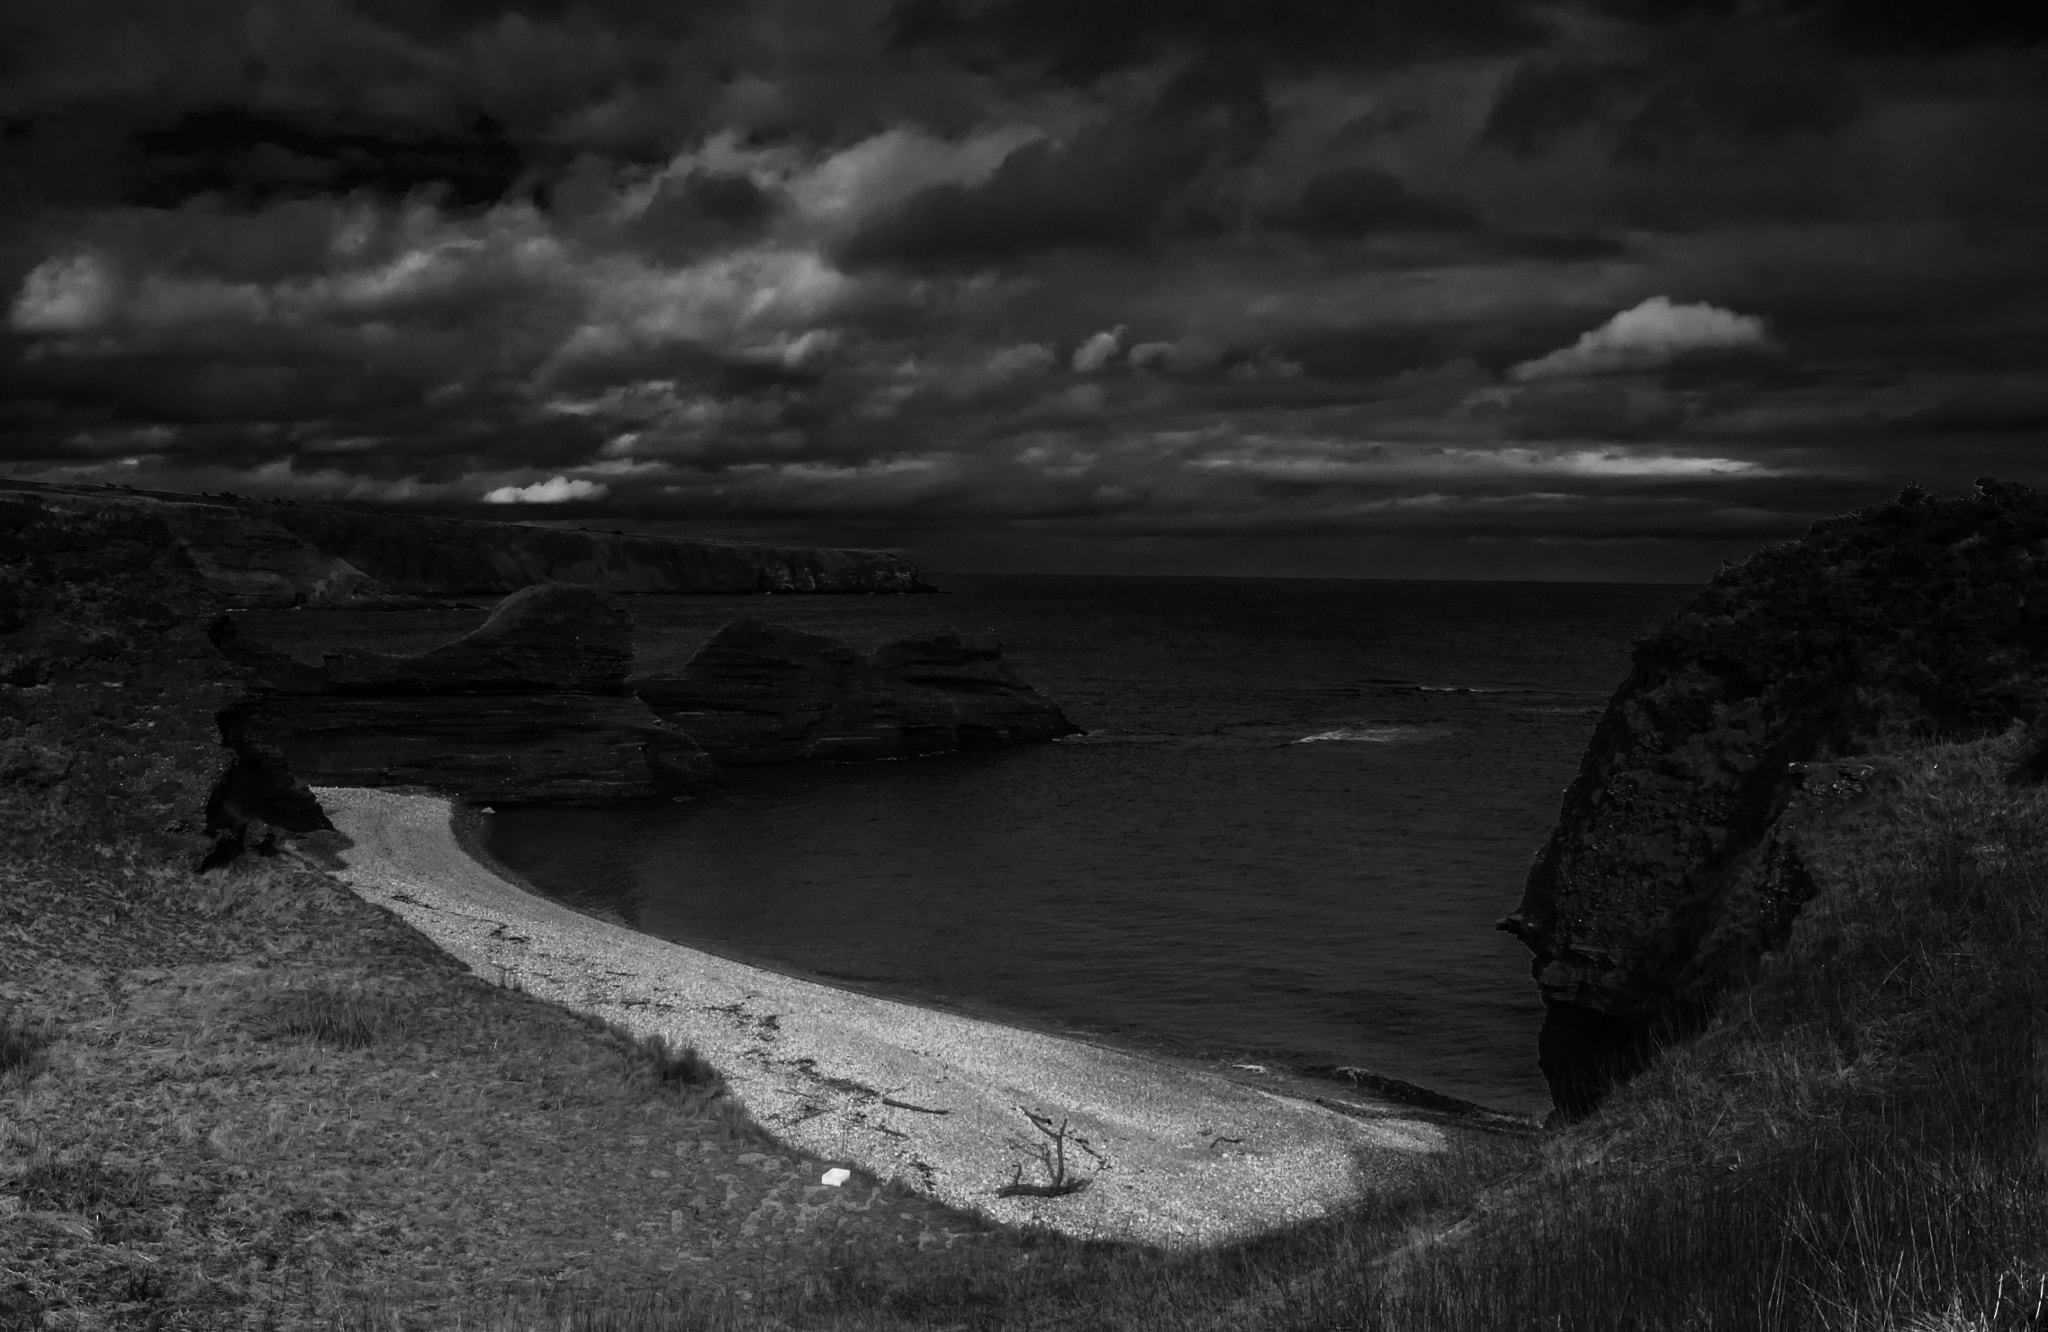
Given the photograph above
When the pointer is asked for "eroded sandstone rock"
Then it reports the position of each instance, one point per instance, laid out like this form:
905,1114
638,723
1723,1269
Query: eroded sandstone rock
761,693
1676,861
531,707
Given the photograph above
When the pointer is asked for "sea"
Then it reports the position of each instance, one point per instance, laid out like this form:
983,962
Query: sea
1282,843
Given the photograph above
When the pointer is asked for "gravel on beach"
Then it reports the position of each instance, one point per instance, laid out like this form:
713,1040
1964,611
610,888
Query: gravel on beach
1175,1155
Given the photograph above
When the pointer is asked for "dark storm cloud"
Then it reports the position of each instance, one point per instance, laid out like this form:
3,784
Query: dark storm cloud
248,157
1082,40
1913,26
1117,185
1355,201
1470,281
1100,194
1752,76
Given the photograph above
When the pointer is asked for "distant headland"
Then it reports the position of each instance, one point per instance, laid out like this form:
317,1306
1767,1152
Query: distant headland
278,553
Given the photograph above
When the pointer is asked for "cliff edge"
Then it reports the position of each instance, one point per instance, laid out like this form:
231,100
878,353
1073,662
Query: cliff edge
268,553
1676,861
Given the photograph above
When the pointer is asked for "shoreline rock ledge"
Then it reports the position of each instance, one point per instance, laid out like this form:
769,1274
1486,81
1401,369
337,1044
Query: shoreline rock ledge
1676,862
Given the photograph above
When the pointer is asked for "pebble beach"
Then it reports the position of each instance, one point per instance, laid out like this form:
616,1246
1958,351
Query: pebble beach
1174,1155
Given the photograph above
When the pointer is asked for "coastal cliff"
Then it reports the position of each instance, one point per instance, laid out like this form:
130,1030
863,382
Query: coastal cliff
261,553
130,697
111,691
761,693
1677,861
531,707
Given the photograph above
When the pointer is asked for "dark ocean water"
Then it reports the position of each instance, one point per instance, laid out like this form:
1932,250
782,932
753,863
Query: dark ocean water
1299,808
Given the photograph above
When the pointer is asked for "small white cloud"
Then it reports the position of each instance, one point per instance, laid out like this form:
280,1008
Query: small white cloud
1026,358
554,490
75,293
1650,335
1098,351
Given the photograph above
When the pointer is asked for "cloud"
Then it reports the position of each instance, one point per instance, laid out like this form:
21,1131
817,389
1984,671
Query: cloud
1190,355
73,293
1083,40
1057,266
1647,337
1751,77
1096,194
554,490
1266,365
1123,177
1097,351
1359,201
885,169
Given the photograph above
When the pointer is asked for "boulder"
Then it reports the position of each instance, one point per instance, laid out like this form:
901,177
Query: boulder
529,708
1676,861
761,693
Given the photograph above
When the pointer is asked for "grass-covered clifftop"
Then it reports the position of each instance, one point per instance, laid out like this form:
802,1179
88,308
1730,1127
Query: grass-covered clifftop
244,1098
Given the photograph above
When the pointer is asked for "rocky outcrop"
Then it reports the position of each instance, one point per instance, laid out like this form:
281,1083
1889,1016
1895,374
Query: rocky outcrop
240,559
761,693
1676,861
258,553
112,696
531,707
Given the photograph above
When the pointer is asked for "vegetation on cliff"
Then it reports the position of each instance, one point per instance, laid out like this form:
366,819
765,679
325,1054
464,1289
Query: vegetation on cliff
1678,860
244,1097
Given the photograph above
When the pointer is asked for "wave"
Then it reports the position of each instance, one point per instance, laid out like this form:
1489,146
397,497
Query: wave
1416,687
1370,735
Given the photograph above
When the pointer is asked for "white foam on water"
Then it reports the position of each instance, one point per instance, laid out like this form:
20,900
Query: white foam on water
1371,735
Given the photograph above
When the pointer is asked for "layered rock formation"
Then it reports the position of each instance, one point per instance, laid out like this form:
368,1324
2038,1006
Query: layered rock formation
260,553
760,693
111,692
1676,861
240,558
531,707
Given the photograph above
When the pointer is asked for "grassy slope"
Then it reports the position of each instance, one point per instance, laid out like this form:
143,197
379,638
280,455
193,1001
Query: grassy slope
248,1098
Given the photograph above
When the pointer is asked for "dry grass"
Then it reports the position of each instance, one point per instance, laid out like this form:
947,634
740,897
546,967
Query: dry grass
311,1126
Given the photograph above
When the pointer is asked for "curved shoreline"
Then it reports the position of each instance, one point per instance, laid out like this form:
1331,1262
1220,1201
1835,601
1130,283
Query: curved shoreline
1341,1087
1178,1155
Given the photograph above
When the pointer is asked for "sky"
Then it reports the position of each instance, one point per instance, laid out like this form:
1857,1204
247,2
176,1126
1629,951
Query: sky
1593,289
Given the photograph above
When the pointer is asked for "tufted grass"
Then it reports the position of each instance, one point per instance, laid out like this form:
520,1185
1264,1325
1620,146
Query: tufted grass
21,1045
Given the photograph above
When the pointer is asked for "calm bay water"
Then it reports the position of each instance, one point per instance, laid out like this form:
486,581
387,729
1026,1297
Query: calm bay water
1299,808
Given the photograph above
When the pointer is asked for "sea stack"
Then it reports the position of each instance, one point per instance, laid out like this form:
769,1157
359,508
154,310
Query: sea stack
762,693
1676,860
